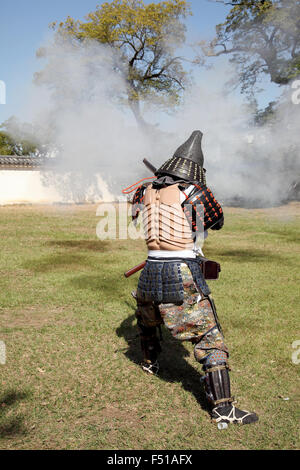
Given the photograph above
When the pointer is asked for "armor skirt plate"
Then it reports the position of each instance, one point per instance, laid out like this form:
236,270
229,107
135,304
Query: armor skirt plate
162,281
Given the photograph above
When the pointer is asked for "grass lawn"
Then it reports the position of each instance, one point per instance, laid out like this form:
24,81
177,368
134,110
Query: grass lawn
72,379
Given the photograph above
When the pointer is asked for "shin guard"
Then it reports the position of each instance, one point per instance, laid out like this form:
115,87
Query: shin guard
217,388
217,384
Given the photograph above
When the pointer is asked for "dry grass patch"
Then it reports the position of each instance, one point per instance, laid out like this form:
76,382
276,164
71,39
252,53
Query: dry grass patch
36,316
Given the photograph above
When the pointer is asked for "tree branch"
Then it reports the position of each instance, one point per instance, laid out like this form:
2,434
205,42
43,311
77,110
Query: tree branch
162,70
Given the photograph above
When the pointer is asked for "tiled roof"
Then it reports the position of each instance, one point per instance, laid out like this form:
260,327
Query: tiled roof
16,162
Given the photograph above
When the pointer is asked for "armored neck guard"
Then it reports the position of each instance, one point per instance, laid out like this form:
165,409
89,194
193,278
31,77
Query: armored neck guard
166,180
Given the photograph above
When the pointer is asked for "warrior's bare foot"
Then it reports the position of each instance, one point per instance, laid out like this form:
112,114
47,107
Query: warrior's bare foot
231,414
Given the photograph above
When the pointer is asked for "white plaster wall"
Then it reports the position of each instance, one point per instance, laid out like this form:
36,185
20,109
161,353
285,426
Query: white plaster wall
25,187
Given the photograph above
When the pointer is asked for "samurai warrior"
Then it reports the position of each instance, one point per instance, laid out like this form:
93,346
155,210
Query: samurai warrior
177,210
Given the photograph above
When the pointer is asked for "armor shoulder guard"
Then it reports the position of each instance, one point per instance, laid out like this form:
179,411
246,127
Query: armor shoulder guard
212,215
137,201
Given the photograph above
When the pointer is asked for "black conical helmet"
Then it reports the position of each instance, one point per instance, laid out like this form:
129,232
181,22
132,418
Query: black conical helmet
187,161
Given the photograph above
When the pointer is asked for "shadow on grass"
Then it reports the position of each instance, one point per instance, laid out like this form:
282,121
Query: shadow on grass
252,255
50,263
12,425
93,245
173,366
107,285
287,234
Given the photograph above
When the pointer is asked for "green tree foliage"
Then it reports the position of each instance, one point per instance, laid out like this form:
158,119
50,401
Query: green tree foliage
262,37
17,138
144,39
6,144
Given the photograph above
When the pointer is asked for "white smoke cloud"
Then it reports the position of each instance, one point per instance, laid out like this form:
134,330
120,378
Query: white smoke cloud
78,100
243,161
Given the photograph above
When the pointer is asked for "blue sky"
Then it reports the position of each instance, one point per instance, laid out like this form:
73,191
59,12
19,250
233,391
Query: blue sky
24,27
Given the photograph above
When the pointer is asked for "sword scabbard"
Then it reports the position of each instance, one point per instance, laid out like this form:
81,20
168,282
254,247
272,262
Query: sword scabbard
135,269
